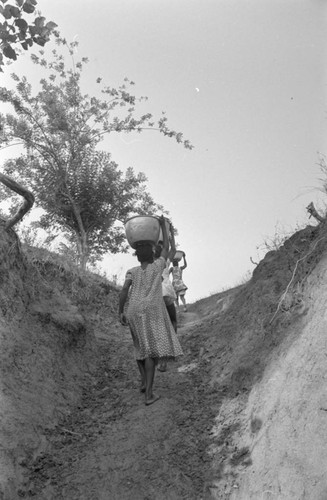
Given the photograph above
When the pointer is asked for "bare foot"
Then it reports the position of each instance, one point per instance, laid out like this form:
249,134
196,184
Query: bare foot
152,400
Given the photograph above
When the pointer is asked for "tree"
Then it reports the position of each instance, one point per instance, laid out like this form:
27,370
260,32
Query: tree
86,201
60,116
16,32
79,187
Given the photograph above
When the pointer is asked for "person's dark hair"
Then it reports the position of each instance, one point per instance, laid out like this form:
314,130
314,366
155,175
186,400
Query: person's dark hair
144,253
175,263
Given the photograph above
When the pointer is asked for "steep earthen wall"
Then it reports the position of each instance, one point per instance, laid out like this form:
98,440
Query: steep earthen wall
47,351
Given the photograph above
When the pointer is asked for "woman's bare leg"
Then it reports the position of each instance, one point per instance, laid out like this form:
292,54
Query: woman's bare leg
184,302
141,367
150,367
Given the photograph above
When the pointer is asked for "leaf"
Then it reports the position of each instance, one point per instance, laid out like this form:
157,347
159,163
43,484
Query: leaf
33,30
7,12
15,11
28,8
40,41
39,21
19,2
28,42
51,25
10,38
22,24
9,52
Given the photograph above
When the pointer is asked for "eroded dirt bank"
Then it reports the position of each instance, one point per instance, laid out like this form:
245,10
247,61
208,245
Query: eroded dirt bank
47,317
268,438
284,422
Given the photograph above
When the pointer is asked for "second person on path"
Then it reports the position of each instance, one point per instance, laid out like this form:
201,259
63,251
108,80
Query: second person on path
178,283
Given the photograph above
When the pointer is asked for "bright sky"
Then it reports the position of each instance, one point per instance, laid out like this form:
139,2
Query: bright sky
245,81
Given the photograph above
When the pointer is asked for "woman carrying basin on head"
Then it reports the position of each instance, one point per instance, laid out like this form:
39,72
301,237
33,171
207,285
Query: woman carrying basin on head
153,335
178,283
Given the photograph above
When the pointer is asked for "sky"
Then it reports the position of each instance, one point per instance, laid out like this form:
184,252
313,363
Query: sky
245,81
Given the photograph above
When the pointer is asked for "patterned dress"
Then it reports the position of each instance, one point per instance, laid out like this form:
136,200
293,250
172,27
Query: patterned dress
178,284
151,328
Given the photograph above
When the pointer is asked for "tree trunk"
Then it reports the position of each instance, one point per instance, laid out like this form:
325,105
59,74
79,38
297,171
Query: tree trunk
81,235
84,256
82,250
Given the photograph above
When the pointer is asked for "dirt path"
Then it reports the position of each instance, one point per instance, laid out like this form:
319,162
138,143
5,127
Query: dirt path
116,448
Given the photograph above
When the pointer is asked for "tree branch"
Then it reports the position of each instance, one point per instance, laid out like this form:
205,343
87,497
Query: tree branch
313,212
27,204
